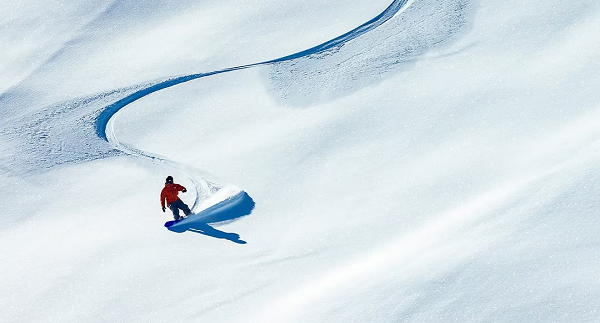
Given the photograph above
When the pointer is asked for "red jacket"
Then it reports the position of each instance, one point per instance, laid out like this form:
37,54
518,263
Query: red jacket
169,193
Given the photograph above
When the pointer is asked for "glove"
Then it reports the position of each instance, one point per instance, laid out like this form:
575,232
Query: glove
184,190
164,209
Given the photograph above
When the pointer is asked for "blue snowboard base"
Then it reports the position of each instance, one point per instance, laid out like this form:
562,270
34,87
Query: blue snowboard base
170,223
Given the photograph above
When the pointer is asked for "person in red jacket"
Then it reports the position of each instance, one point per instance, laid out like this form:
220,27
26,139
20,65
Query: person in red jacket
170,194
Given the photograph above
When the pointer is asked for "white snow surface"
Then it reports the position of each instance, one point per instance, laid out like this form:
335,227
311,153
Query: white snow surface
441,167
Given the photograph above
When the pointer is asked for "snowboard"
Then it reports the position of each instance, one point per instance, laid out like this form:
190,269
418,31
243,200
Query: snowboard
169,224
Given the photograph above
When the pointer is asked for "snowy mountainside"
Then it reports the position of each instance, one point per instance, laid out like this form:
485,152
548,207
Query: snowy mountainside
442,166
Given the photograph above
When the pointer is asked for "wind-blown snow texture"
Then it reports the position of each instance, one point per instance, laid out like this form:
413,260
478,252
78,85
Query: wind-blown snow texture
410,161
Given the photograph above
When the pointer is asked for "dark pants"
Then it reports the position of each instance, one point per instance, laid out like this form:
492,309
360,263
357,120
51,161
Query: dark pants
179,205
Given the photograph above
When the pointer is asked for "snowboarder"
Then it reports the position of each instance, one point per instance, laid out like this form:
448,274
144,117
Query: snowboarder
170,195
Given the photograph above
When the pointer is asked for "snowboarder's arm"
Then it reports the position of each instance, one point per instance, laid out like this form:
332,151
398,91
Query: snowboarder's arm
181,188
163,197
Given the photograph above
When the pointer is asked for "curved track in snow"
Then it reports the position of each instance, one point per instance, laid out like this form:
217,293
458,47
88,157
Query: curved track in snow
104,122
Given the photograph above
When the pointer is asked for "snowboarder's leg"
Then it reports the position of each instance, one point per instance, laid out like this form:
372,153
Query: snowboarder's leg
175,210
182,206
186,209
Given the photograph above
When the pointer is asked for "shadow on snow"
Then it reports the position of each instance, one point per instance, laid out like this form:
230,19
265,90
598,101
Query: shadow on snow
220,213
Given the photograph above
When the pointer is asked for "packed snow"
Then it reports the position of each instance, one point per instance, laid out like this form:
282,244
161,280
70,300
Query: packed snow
346,161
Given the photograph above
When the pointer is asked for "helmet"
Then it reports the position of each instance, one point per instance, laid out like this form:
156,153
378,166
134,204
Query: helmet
169,180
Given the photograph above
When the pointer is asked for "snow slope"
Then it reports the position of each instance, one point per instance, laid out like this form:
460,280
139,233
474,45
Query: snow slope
441,166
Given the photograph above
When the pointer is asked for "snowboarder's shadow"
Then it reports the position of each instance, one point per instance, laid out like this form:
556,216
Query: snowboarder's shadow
226,211
206,229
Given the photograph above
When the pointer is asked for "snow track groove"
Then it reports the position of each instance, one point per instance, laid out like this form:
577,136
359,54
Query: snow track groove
104,122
